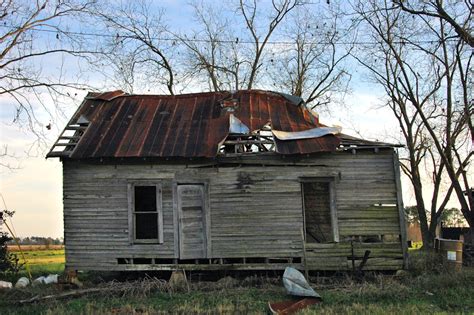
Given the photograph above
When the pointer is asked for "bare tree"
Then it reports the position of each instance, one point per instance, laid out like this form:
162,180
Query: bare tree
211,51
8,161
312,67
23,44
460,20
140,45
36,47
249,10
225,58
424,73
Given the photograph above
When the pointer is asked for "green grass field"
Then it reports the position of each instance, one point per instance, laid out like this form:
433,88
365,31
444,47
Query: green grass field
42,262
38,263
43,257
437,291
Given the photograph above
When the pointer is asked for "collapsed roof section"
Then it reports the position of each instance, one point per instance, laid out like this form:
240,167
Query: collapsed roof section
118,125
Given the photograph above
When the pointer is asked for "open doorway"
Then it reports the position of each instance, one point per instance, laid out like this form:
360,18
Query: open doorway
319,211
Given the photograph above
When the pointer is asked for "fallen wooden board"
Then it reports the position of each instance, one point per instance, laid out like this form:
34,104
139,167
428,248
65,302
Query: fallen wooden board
62,295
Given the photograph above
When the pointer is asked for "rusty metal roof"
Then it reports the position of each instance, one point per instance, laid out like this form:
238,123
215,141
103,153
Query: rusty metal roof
188,125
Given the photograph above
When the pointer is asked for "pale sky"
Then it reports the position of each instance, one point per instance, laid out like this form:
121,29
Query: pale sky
34,190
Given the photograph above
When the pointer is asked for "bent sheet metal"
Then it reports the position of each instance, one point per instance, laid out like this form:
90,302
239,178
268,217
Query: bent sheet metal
296,285
306,134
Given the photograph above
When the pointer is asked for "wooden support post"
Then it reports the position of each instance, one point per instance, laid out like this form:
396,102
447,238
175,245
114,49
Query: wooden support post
352,257
401,212
306,273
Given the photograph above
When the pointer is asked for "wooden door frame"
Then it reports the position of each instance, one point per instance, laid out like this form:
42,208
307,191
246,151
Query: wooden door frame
206,217
331,180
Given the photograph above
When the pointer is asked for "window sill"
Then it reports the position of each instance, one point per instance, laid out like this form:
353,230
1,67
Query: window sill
152,242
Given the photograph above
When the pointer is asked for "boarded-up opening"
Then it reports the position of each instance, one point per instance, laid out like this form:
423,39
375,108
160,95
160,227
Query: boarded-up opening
317,211
192,221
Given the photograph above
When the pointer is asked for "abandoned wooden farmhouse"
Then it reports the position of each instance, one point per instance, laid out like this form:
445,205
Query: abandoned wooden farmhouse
227,180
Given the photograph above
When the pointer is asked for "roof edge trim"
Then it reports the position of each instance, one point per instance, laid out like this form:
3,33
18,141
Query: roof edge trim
106,96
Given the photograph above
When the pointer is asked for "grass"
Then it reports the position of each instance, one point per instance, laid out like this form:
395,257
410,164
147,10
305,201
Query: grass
43,257
40,262
14,247
418,291
43,262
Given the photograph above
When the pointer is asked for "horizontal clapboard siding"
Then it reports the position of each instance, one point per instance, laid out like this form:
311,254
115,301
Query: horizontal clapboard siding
96,215
338,256
255,206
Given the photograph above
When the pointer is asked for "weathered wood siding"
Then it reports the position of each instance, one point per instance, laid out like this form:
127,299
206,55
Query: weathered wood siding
192,221
255,205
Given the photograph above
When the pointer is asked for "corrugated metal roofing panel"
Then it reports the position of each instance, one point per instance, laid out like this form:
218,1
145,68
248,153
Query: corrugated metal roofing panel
189,125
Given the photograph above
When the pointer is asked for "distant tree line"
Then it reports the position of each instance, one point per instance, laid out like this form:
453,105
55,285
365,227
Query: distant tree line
38,240
451,217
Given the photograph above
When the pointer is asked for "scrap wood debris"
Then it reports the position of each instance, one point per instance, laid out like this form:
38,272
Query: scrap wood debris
141,287
61,295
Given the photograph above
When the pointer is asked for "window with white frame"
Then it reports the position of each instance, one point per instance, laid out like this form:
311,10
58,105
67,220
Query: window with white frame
145,213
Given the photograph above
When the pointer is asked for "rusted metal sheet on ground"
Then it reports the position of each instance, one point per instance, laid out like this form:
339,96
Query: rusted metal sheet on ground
296,285
292,307
189,125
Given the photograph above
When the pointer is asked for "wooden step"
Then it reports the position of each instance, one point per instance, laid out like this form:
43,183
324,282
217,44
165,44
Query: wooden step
69,138
75,127
67,144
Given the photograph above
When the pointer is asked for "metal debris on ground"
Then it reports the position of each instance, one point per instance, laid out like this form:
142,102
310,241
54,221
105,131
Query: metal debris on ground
46,280
295,284
23,282
291,307
39,280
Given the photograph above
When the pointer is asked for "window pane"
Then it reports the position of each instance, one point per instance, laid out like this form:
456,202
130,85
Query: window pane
145,198
146,226
317,212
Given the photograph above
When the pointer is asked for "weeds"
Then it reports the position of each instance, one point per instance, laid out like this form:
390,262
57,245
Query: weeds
377,294
428,287
427,261
137,288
